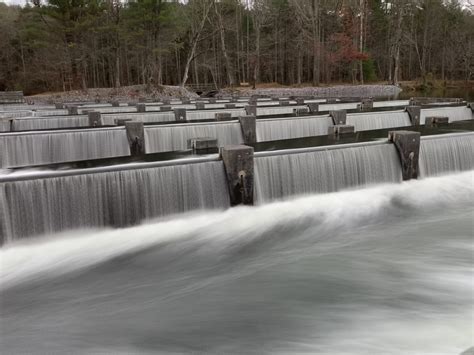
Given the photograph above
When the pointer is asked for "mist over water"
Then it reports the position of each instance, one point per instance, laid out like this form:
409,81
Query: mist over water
381,270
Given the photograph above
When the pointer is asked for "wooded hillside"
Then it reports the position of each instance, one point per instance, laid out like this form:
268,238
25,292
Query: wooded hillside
77,44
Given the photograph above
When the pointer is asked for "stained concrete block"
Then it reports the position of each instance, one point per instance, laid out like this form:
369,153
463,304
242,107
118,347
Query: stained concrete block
95,118
165,108
248,124
200,105
251,110
229,106
300,111
203,143
180,114
239,168
437,120
313,107
339,130
223,116
136,137
72,110
408,147
339,117
141,107
414,112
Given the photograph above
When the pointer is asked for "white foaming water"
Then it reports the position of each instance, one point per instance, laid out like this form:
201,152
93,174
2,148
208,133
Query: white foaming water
385,270
460,113
323,170
378,120
175,137
24,149
444,154
286,128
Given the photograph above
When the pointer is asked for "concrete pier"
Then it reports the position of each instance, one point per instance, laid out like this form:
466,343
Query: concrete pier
436,120
165,108
203,145
366,105
415,113
313,107
231,105
115,103
180,114
95,119
239,169
248,124
284,103
141,107
251,110
339,117
408,147
59,105
300,111
299,101
72,110
200,105
136,137
223,116
339,130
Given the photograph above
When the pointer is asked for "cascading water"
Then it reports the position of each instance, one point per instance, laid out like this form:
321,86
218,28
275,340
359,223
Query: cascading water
24,149
286,128
317,170
460,113
378,120
36,206
446,154
383,270
175,137
35,123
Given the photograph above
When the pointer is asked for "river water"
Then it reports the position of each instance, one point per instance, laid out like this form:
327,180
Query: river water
381,270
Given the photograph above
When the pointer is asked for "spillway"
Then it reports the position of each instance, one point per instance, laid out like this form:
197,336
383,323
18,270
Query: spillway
456,113
168,138
282,174
378,120
286,128
36,123
109,197
446,154
35,148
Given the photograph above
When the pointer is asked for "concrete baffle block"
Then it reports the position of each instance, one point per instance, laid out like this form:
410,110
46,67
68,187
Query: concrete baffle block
339,130
203,144
414,112
95,119
284,103
229,105
248,125
408,147
338,117
59,105
299,101
165,108
300,111
141,99
366,105
223,116
72,110
141,107
212,100
239,169
131,103
136,137
471,106
437,120
200,105
122,121
313,107
180,114
115,103
251,110
165,102
185,101
331,100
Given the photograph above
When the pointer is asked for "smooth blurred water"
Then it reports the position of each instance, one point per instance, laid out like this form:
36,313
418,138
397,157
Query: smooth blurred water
382,270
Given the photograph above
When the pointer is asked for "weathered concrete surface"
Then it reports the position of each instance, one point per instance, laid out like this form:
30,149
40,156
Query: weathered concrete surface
339,130
436,120
284,103
300,111
136,137
203,143
408,147
338,116
248,124
72,110
59,105
313,107
251,110
366,105
223,116
141,107
239,168
165,108
415,113
95,119
200,105
115,103
231,105
180,114
122,121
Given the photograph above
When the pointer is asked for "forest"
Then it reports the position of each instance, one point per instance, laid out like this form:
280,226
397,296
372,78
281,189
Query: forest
60,45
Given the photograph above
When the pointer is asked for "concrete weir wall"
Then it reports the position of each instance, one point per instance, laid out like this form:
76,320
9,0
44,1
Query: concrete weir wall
131,193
